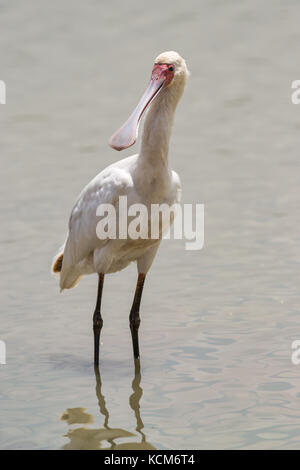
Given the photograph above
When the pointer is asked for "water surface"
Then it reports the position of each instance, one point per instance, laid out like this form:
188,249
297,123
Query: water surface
217,325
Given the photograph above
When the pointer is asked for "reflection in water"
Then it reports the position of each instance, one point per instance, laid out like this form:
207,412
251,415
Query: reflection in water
88,439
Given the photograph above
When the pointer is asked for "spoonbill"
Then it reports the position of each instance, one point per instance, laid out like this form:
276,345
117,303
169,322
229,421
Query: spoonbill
144,178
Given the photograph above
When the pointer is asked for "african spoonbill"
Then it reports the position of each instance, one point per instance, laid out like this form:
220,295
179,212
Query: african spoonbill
144,178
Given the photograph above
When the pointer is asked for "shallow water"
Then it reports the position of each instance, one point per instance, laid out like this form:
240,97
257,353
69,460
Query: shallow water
217,324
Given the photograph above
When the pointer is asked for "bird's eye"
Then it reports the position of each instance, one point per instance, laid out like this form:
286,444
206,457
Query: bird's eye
171,69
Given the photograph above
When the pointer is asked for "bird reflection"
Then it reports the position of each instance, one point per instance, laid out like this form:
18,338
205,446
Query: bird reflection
88,439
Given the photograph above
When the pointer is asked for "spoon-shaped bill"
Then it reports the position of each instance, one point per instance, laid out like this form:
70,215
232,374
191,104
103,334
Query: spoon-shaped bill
127,134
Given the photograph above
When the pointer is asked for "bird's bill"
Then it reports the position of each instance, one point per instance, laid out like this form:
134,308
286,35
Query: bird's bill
127,134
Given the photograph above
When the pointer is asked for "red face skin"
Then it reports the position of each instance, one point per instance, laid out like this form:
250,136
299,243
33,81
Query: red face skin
165,71
161,77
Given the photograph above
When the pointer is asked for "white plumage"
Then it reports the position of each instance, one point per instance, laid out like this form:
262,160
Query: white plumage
84,252
144,178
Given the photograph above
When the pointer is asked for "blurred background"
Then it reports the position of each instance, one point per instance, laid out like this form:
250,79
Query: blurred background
217,324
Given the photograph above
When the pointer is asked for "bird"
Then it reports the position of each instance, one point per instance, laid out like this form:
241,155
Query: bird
144,178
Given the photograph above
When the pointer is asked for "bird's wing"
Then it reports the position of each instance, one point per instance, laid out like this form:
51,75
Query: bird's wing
105,188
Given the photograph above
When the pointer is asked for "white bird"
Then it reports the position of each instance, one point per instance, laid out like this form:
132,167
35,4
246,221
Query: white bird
144,178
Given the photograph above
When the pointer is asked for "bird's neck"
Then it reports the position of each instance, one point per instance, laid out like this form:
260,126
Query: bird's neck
153,178
158,127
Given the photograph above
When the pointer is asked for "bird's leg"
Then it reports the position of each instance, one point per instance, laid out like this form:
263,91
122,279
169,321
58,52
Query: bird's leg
97,320
134,317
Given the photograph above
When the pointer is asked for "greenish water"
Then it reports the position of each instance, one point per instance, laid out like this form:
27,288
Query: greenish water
218,324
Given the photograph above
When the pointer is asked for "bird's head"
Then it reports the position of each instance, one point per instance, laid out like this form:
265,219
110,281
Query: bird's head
171,66
169,73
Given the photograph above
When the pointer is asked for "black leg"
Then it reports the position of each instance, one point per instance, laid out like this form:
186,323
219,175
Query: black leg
134,317
97,320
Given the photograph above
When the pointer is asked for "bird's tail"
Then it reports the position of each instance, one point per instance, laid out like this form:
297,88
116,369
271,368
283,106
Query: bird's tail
57,263
69,276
